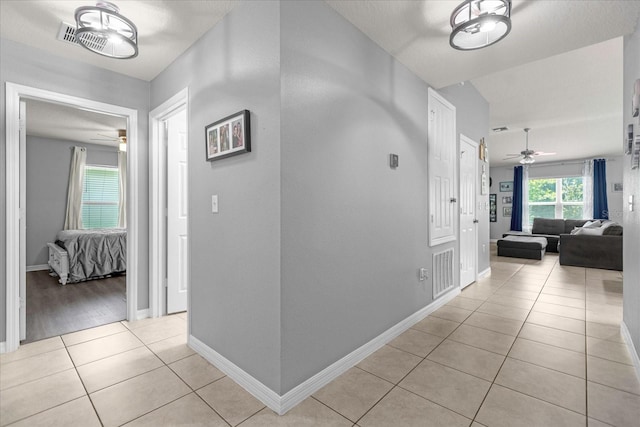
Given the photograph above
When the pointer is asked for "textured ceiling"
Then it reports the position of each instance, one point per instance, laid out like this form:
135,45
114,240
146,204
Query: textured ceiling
558,71
165,29
417,33
49,120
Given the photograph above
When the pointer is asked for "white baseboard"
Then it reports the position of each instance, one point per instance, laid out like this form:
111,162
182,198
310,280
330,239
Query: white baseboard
282,404
142,314
484,273
493,240
632,349
38,267
3,347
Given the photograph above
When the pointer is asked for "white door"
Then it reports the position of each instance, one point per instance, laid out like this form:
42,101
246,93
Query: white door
468,221
177,239
23,220
441,149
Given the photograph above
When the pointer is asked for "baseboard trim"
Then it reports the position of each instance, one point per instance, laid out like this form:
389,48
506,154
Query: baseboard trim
237,374
484,273
38,267
282,404
142,314
3,347
632,349
493,240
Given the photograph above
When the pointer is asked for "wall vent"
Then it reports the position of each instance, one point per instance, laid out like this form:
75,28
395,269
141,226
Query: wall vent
442,272
67,33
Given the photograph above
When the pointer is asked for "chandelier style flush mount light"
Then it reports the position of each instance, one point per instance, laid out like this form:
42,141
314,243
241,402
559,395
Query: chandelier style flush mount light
102,30
479,23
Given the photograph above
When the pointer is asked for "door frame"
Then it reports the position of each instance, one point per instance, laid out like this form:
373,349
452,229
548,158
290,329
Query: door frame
14,93
158,202
475,145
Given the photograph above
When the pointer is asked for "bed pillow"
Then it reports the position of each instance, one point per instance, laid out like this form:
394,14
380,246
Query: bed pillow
611,228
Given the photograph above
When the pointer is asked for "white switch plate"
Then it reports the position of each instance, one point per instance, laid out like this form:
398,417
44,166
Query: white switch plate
214,203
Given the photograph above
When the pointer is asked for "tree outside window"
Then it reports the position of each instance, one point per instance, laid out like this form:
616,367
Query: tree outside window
556,198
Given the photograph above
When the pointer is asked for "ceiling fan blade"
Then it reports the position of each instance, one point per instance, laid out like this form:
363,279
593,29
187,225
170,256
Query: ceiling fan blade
542,153
103,139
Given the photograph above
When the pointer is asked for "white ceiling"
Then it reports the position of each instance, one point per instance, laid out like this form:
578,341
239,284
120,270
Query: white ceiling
546,74
49,120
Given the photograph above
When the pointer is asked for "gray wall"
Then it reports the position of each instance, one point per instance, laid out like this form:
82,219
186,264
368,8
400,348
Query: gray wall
235,254
34,67
569,168
631,188
48,162
354,231
472,120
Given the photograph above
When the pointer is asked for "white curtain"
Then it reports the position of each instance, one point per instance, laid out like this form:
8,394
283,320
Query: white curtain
587,186
73,217
122,184
525,200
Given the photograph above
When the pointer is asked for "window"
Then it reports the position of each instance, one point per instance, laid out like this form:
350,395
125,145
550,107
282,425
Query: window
100,196
556,198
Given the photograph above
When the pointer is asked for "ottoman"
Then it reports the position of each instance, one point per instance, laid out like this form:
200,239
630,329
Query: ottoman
522,247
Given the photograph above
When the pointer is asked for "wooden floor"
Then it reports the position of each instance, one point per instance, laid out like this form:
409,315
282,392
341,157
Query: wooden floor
53,309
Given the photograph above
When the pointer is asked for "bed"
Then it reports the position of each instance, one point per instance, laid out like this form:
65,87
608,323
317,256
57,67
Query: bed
79,255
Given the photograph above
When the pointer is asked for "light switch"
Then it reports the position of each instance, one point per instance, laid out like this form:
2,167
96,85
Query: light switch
631,203
214,203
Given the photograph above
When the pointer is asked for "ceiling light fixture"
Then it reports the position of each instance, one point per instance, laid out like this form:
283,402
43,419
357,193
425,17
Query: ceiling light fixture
102,30
479,23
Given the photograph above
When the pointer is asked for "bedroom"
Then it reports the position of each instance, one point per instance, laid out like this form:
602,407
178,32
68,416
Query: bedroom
74,279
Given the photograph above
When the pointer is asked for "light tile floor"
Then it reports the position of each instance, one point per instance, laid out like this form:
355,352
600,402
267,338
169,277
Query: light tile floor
535,344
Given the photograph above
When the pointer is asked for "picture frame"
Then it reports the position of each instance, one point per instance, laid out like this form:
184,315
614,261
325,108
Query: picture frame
506,200
506,187
506,211
228,137
493,217
617,187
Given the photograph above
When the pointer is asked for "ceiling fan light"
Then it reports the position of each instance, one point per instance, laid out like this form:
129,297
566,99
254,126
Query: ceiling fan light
527,160
479,23
102,30
122,147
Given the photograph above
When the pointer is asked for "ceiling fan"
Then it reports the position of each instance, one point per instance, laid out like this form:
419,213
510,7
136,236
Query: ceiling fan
527,155
121,139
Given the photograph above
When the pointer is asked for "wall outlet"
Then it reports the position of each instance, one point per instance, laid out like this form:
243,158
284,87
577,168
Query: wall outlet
423,274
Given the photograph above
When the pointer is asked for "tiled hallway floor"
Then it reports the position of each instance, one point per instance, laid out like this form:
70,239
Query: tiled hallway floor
535,344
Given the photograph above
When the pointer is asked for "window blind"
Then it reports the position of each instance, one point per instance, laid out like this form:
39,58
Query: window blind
100,197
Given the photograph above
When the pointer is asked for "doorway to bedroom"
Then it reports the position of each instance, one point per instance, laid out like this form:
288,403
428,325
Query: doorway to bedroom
75,230
104,180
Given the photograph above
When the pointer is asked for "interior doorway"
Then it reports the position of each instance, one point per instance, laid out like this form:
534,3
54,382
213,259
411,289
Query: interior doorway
468,221
169,255
16,209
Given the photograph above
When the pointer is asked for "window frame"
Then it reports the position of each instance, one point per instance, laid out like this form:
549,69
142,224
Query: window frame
559,203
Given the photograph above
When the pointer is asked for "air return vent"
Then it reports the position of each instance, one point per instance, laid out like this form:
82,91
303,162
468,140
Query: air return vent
442,272
67,33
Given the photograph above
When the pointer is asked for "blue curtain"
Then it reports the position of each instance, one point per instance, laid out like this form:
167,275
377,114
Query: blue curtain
600,206
516,211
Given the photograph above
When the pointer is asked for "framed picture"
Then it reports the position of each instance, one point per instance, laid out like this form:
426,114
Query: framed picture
617,187
229,136
506,200
493,217
506,187
506,211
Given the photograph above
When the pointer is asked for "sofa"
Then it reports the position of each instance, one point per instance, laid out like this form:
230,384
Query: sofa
551,229
597,245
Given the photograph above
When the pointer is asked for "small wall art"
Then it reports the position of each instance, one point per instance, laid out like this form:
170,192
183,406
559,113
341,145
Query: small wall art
506,187
492,208
506,211
229,136
506,200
